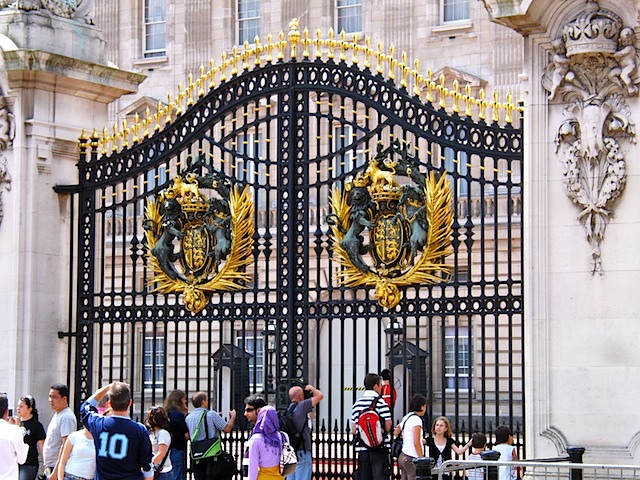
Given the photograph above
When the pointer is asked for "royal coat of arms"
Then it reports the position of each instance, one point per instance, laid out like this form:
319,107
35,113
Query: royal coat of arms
409,226
197,244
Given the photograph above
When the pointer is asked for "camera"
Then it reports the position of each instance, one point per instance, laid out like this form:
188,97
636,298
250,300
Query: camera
307,393
10,412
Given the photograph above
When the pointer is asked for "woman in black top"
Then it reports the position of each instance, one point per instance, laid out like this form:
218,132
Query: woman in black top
176,408
34,435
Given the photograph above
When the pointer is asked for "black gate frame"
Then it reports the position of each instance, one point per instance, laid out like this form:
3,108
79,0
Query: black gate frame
295,82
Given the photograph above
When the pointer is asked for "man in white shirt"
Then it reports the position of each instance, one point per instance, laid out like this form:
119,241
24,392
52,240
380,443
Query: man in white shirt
13,450
61,425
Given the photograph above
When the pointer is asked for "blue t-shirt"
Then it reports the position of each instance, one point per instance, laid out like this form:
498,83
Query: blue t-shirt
123,448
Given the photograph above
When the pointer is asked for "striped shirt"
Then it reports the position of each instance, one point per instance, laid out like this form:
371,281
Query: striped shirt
382,408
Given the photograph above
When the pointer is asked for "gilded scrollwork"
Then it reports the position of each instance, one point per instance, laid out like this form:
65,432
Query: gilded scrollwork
593,68
408,226
199,244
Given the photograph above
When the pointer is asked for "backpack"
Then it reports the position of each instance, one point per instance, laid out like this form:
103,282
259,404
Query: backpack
369,427
288,426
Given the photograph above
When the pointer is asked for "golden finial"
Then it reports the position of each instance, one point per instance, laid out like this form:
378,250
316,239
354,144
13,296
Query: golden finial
509,107
495,107
443,91
430,86
269,48
392,62
331,44
191,88
482,105
211,74
415,75
158,116
305,42
258,50
115,136
125,133
281,44
223,68
200,81
468,100
136,128
456,95
343,46
356,49
521,103
245,56
234,61
179,98
147,121
294,37
318,43
380,57
403,70
367,52
170,106
105,140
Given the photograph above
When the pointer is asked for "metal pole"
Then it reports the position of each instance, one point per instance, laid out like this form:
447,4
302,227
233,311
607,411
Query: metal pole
575,456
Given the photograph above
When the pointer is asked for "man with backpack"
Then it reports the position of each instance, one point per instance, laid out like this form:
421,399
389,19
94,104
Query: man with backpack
295,422
370,422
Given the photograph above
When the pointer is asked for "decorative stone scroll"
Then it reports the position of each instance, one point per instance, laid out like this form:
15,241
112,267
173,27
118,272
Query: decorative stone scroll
7,132
594,68
79,9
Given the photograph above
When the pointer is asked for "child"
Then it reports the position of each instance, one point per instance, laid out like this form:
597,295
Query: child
478,444
507,451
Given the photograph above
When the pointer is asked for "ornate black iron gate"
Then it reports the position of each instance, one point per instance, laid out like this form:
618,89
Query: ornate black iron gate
291,124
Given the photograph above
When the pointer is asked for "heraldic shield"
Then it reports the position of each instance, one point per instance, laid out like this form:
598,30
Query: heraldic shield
213,236
409,226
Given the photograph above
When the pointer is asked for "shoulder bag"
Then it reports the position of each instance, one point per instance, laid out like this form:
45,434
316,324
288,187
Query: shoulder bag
288,458
207,448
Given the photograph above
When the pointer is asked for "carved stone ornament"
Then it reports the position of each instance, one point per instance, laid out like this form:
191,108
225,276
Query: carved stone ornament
5,184
409,226
594,68
62,8
214,236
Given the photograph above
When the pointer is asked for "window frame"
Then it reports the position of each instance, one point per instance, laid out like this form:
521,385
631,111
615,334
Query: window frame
341,8
256,364
153,53
240,20
453,4
153,359
458,346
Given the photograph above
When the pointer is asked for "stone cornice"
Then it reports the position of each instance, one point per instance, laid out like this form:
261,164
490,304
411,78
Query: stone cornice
514,14
60,74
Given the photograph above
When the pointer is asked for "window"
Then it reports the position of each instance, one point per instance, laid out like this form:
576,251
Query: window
153,356
156,177
458,358
248,169
255,347
248,20
155,28
349,16
455,11
343,137
457,162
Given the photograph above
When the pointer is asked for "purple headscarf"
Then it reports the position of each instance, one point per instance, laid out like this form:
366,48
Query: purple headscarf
269,426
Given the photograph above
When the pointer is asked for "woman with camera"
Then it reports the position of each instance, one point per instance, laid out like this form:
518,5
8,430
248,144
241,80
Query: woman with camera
34,435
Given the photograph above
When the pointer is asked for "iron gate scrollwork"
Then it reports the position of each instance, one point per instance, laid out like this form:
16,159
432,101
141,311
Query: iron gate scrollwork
288,126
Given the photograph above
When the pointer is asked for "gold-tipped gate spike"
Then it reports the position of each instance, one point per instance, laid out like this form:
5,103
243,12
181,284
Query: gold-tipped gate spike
298,44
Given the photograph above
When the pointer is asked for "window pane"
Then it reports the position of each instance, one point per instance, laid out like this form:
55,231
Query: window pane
458,359
155,28
153,362
349,16
455,10
248,20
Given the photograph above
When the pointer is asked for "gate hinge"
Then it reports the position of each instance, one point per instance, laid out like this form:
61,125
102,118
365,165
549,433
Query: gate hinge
66,334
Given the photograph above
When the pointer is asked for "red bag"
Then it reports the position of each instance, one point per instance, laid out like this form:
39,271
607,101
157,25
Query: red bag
369,427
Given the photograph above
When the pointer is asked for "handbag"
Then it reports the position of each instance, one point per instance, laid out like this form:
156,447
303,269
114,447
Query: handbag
222,467
396,445
288,458
207,448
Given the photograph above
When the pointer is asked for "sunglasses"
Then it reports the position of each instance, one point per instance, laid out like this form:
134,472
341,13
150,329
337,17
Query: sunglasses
248,410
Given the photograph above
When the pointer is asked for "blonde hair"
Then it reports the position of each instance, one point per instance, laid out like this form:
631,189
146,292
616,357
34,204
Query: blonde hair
447,424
